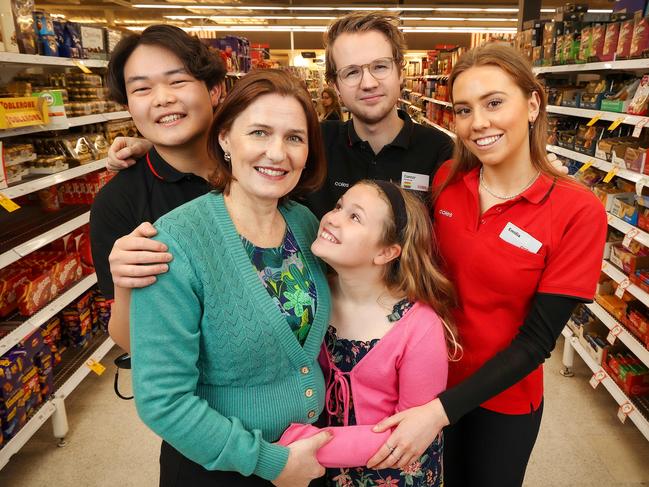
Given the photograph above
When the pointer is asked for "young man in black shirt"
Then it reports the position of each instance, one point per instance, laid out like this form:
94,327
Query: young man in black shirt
171,84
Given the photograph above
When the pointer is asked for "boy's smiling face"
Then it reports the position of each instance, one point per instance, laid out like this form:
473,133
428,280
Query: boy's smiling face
169,106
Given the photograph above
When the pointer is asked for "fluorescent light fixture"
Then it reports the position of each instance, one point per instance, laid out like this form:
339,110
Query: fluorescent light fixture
474,9
257,17
463,19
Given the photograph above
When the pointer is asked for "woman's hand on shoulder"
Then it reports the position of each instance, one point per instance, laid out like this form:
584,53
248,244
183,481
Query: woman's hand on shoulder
414,430
302,466
124,151
556,163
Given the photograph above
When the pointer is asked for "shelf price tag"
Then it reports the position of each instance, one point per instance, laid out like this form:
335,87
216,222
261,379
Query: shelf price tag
604,265
640,184
624,411
597,378
630,235
7,204
81,66
610,175
616,123
95,366
638,128
613,334
594,119
586,165
621,287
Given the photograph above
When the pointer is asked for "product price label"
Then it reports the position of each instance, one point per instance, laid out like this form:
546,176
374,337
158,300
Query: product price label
594,119
609,218
81,66
604,265
95,366
7,204
630,235
619,292
616,123
586,165
597,378
613,334
642,182
638,128
624,411
610,175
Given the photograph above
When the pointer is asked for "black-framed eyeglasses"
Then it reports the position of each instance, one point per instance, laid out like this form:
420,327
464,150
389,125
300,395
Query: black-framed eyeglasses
353,74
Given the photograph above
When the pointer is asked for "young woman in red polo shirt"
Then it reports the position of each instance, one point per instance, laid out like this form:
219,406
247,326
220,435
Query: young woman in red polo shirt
523,245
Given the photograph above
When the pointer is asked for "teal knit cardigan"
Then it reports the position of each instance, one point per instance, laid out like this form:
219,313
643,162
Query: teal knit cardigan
217,370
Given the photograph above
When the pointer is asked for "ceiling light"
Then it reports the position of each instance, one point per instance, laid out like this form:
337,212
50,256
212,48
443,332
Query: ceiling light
323,8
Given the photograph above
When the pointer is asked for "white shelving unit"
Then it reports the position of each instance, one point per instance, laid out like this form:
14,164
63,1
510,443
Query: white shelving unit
438,102
598,163
629,65
640,235
439,127
56,178
618,276
36,243
406,102
71,122
614,390
428,76
590,114
15,58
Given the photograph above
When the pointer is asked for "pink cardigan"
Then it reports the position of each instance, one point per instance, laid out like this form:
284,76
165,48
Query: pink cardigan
408,367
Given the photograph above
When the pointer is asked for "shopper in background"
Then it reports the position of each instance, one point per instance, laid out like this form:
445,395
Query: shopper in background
330,106
385,349
170,82
225,344
523,244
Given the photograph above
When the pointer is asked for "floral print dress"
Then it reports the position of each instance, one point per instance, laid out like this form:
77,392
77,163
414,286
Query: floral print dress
427,471
288,281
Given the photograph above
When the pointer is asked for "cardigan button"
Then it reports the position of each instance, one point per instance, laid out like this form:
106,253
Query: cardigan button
308,392
311,414
304,370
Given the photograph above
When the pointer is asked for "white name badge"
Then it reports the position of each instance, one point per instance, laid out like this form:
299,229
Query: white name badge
520,238
414,181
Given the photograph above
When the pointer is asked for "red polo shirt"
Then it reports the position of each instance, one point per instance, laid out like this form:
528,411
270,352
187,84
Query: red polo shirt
497,281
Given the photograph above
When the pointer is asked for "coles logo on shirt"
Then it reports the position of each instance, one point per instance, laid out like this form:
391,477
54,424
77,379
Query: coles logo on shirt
446,213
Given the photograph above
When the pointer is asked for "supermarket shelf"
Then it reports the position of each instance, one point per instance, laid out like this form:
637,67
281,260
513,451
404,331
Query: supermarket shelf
415,93
236,75
33,322
638,349
618,276
15,58
416,108
72,122
572,68
401,100
438,127
624,227
39,241
46,181
438,102
75,370
607,116
407,90
598,163
96,353
638,419
428,76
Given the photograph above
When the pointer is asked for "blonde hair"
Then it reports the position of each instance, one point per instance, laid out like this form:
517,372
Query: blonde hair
386,24
519,70
416,274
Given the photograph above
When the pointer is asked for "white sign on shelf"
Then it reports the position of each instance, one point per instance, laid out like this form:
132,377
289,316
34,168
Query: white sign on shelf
597,378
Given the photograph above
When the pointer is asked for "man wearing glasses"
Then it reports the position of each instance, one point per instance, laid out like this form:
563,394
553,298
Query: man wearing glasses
364,60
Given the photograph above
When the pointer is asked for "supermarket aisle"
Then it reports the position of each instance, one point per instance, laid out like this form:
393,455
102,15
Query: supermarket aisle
582,443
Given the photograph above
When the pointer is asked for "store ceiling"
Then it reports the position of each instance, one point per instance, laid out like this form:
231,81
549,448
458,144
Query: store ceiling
270,22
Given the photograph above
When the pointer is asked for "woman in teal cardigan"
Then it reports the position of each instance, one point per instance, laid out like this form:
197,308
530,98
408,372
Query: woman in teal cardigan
225,344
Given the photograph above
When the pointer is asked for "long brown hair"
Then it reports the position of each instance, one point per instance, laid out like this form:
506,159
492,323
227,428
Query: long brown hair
335,103
519,70
245,91
416,274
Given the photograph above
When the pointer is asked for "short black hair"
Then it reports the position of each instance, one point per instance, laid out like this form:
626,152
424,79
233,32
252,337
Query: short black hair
201,62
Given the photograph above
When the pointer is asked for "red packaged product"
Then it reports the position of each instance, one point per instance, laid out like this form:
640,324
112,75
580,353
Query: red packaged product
35,294
49,198
640,38
624,40
597,41
610,41
66,271
11,278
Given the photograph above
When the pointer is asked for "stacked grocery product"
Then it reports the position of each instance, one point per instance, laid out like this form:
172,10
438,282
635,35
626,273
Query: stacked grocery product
29,31
575,35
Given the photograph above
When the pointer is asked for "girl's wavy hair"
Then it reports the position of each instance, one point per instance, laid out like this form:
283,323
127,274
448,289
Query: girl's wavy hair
519,70
416,273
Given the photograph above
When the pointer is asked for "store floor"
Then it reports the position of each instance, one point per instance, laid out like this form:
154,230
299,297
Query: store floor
581,444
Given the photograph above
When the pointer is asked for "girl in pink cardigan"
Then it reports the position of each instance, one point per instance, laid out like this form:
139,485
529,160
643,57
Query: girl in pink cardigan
386,347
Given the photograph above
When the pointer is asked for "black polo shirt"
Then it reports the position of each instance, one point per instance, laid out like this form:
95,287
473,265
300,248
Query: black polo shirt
143,192
410,160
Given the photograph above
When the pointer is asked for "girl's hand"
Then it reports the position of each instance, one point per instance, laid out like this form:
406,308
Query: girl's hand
416,428
556,162
302,466
124,151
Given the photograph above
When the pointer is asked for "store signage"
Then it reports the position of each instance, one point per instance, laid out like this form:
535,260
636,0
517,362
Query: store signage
22,112
55,109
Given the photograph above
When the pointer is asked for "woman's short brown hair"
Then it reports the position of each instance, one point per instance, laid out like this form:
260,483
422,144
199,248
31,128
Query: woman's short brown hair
245,91
202,63
386,24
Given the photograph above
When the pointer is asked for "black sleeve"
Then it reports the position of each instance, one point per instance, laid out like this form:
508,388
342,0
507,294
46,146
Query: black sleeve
445,151
529,349
109,220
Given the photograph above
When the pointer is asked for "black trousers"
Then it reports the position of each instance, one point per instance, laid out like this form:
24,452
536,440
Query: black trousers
176,470
488,449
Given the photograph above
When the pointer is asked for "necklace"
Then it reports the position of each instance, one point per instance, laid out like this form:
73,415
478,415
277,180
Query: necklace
500,197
